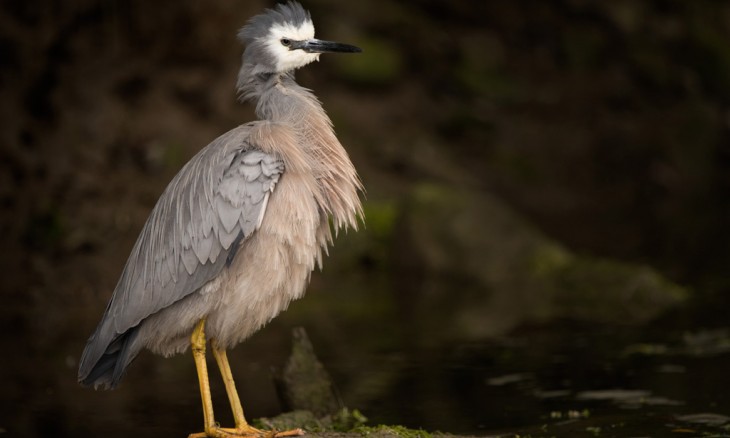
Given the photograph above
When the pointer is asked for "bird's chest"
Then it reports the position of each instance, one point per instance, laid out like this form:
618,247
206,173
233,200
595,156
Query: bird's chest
272,267
276,260
293,215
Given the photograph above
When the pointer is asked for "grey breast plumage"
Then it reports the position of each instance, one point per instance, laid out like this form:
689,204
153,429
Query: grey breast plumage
216,201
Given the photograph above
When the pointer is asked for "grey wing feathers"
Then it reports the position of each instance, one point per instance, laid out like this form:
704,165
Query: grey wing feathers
216,200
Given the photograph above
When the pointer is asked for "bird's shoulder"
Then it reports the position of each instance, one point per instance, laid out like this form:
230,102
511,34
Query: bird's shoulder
276,139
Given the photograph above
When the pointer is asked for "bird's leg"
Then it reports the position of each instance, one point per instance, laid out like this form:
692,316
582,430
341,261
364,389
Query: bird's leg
222,358
211,429
197,344
242,426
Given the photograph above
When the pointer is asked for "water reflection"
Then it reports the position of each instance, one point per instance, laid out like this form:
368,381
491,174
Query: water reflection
557,380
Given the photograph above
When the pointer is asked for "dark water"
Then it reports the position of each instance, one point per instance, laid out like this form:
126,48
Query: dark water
559,379
666,378
567,380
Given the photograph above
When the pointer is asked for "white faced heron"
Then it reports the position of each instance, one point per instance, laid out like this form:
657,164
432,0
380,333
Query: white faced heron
236,234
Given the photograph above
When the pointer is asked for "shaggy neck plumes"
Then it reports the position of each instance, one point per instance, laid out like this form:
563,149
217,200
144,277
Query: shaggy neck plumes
280,99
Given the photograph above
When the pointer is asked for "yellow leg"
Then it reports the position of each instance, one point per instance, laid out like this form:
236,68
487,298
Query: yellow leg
197,344
211,430
242,426
222,358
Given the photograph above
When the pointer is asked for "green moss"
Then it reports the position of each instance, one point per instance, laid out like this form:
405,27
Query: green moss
345,420
291,420
395,431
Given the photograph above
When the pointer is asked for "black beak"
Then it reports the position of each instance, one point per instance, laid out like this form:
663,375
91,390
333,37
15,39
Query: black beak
319,46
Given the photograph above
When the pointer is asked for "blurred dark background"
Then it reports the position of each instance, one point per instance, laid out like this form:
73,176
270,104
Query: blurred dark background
511,151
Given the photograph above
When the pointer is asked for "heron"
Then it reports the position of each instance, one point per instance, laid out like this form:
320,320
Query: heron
236,234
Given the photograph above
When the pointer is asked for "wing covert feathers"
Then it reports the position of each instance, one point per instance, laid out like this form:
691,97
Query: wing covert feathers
216,199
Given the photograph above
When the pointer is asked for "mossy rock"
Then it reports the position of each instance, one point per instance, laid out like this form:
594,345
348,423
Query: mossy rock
489,270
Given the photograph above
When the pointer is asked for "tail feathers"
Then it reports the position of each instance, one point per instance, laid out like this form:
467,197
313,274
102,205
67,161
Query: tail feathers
109,368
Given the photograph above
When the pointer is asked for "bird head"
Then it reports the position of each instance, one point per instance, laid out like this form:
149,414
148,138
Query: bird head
282,39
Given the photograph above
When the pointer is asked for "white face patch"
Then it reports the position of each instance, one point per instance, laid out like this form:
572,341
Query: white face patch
290,59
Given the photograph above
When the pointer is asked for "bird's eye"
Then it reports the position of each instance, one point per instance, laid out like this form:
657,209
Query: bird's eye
286,42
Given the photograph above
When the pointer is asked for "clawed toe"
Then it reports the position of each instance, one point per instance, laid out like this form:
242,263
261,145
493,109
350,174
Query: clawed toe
248,431
288,433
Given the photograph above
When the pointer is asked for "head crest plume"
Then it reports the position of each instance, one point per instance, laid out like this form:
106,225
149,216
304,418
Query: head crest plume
258,26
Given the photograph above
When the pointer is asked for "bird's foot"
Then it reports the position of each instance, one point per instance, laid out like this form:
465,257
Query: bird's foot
245,431
288,433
